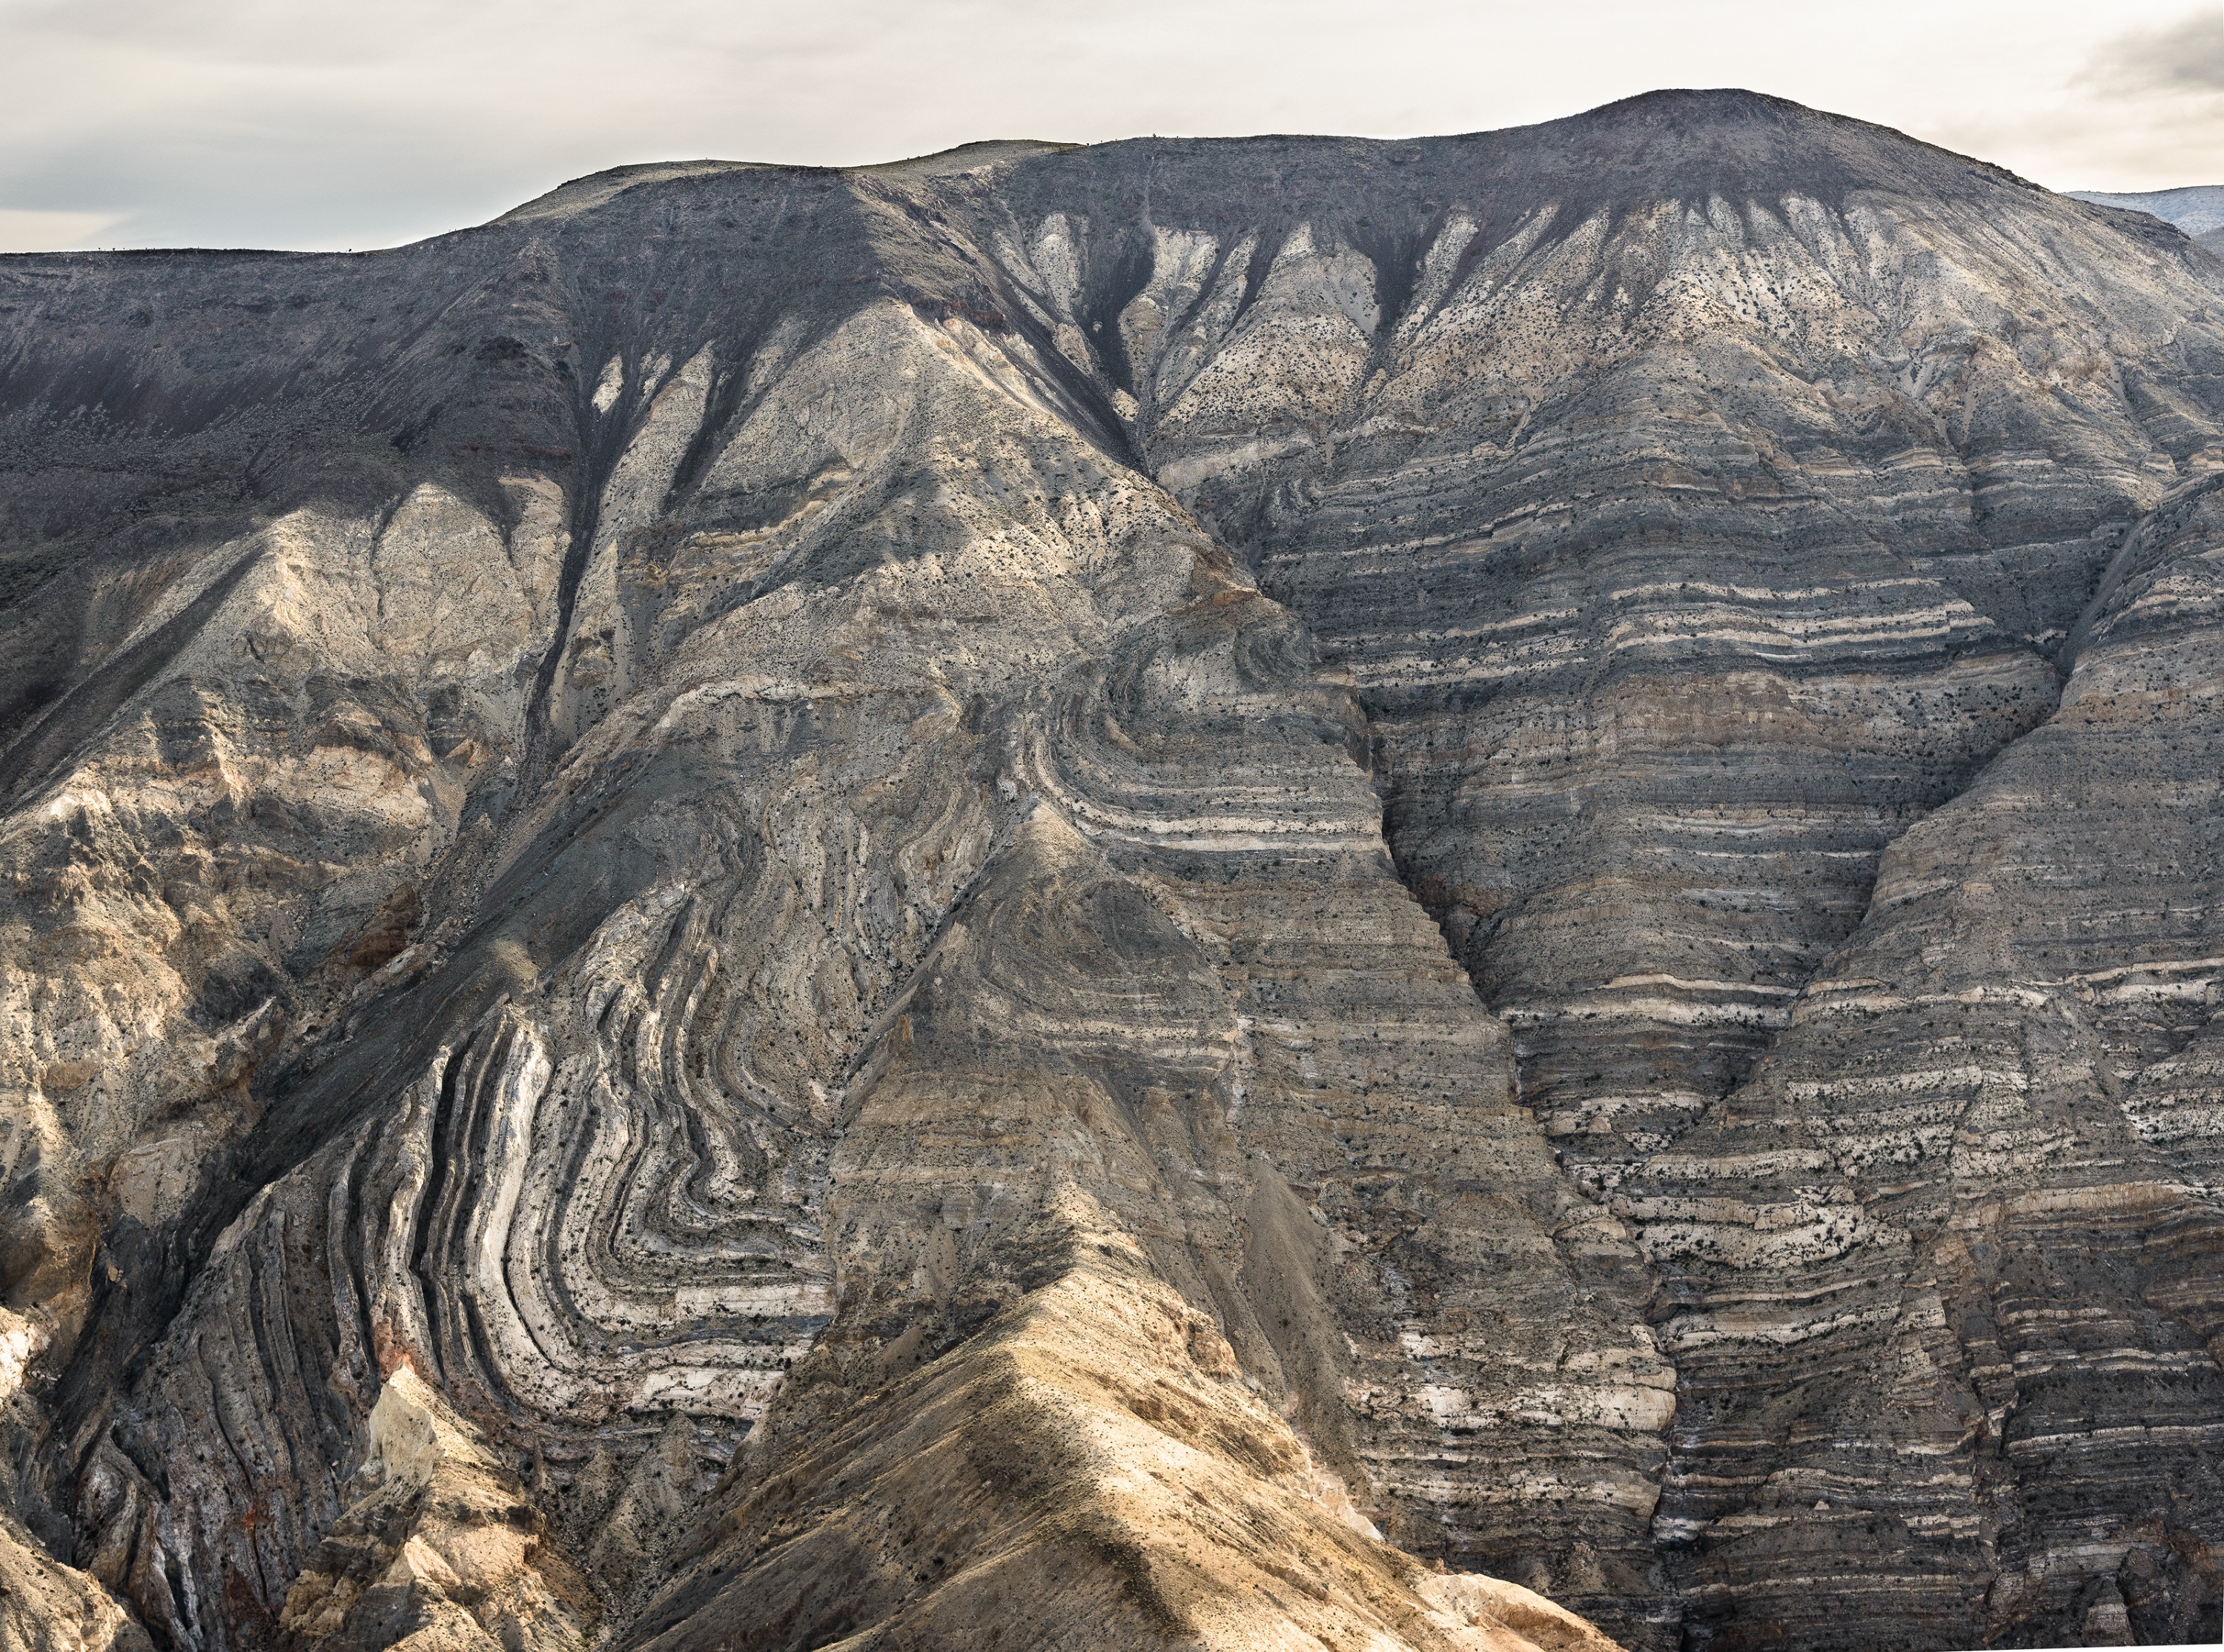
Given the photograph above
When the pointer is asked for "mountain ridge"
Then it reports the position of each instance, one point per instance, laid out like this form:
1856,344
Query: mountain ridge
2197,209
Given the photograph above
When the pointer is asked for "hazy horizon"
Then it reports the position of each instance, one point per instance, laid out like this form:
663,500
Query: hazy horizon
253,123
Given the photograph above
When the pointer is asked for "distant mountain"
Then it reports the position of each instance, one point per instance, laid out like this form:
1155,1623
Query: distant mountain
1166,895
2197,209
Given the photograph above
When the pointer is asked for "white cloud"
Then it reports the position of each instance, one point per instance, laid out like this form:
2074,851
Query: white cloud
2141,108
21,231
2187,56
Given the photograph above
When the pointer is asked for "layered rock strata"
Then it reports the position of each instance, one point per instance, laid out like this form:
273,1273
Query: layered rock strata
1964,1215
1114,895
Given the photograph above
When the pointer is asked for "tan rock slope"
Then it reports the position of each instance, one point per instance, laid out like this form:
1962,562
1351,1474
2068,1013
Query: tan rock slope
1245,894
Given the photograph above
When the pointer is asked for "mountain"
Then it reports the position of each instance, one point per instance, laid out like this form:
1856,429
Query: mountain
1214,893
2198,209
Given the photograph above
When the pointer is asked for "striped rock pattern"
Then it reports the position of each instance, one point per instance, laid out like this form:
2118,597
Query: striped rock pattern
1114,896
1967,1202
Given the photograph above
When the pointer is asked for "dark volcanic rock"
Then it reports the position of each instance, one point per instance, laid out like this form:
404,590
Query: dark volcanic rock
1024,893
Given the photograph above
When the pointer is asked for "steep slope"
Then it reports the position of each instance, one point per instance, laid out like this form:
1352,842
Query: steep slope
746,846
1965,1214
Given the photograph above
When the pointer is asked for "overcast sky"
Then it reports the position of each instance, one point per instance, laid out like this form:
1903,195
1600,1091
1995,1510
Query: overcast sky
335,124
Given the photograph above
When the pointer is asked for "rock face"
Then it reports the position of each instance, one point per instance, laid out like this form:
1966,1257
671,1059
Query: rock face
443,1549
1187,893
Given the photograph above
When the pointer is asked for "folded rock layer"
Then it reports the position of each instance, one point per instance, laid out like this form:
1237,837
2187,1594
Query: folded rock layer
1244,893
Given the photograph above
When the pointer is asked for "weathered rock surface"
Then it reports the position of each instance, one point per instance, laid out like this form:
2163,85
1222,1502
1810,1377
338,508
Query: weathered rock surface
1116,897
443,1549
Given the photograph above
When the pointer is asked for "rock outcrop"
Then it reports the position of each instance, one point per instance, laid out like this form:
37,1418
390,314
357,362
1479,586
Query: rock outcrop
443,1548
1186,893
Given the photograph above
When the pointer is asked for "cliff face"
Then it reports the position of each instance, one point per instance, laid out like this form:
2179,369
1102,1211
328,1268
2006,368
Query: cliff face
1113,896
